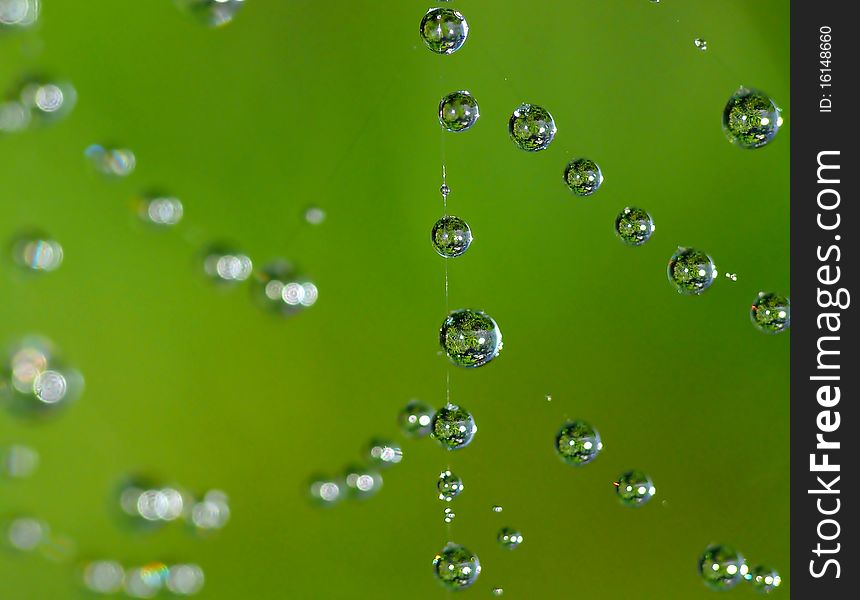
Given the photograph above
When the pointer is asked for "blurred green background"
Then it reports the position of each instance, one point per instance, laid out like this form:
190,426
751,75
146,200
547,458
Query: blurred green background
301,103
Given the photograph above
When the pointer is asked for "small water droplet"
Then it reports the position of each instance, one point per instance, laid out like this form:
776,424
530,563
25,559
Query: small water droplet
314,215
497,508
449,515
701,44
449,486
444,190
111,161
416,418
497,591
509,538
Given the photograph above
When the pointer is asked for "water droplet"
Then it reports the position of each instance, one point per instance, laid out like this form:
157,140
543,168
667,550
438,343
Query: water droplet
46,100
444,30
416,419
449,486
384,453
37,252
691,271
18,462
458,111
456,567
548,398
277,287
26,533
224,264
185,580
111,161
324,491
701,44
453,427
470,338
531,127
509,538
721,567
160,209
764,579
362,483
751,118
451,236
497,508
18,13
583,176
634,226
771,313
497,591
448,515
104,576
578,443
634,488
732,276
39,382
213,13
314,215
212,512
444,190
146,581
14,117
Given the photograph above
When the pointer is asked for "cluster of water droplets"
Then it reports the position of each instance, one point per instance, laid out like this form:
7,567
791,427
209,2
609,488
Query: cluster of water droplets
722,568
110,577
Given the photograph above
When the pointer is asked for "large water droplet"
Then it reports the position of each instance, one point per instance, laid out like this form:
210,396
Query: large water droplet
451,236
771,313
470,338
456,567
578,443
721,567
458,111
531,127
453,427
751,118
634,226
691,271
444,30
583,176
634,488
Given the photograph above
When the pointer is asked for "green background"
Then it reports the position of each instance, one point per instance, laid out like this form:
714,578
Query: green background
301,103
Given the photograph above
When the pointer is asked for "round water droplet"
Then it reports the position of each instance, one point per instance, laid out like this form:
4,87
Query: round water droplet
185,580
47,100
578,443
384,453
497,508
721,566
497,591
448,515
451,236
14,117
449,486
314,215
18,462
104,576
362,483
211,513
634,226
763,579
458,111
509,538
37,252
751,119
111,161
771,313
531,127
453,427
18,13
324,491
444,190
25,534
470,338
278,288
444,30
416,419
160,209
583,176
634,488
456,567
224,264
691,271
213,13
701,44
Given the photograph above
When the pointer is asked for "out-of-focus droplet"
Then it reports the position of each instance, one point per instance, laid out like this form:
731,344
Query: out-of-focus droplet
148,504
691,271
26,533
497,508
211,513
362,483
185,579
111,161
448,515
578,443
451,236
771,313
224,264
509,538
458,111
583,176
732,276
18,13
497,591
470,338
314,215
751,119
722,567
325,492
14,116
764,580
146,581
634,226
277,287
18,462
548,397
444,30
213,13
160,209
634,488
384,453
416,418
36,382
449,486
453,427
104,576
456,567
531,128
701,44
35,251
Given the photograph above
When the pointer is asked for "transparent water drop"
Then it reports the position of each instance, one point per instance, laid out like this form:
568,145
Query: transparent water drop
701,44
384,453
416,418
314,215
634,488
146,581
48,100
583,176
771,313
212,13
449,486
26,534
14,117
458,111
531,127
548,397
160,209
732,276
279,288
451,236
578,443
185,579
104,576
470,338
36,251
18,13
361,483
444,190
721,567
634,226
456,567
691,271
448,515
212,512
325,491
764,579
453,427
111,161
497,508
50,387
509,538
444,30
751,119
18,461
497,591
224,264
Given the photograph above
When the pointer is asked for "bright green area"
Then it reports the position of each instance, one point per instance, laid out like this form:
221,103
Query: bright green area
334,104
